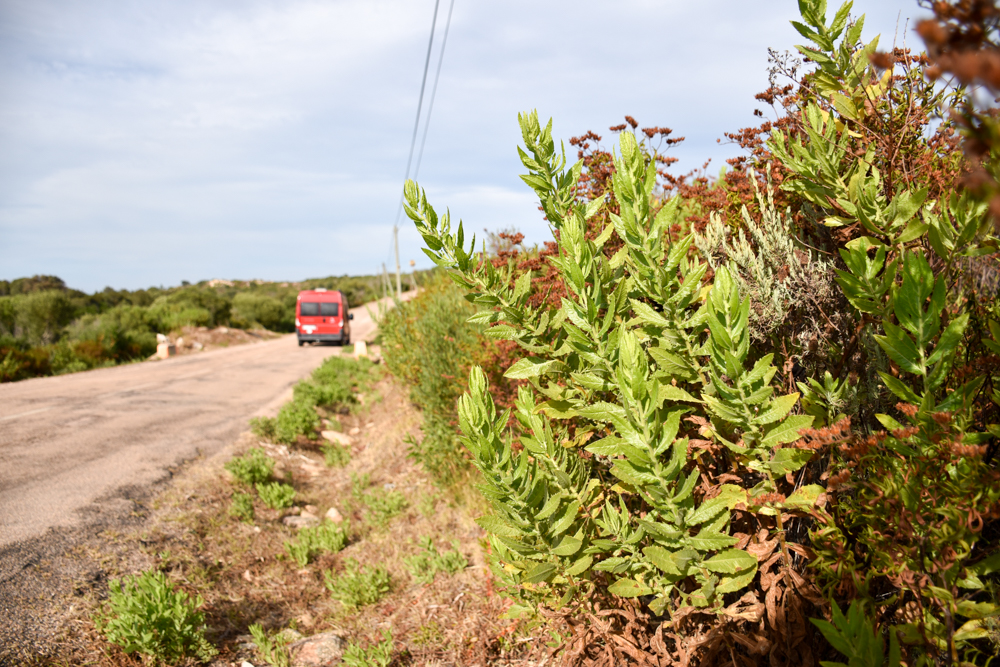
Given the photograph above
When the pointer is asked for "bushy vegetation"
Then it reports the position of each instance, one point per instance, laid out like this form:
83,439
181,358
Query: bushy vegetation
428,343
46,328
276,495
428,562
252,468
336,456
326,537
147,615
656,458
357,586
241,507
333,388
378,654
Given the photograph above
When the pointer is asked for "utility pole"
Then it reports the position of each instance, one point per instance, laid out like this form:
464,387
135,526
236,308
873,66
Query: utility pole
385,281
399,281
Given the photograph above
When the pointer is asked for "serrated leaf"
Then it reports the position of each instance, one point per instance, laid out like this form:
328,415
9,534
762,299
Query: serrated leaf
531,368
566,518
730,561
539,573
787,431
568,546
551,505
501,332
494,524
669,392
707,540
789,460
580,566
805,496
779,407
629,588
736,582
662,559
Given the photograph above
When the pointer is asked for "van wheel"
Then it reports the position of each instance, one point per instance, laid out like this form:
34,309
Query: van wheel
301,343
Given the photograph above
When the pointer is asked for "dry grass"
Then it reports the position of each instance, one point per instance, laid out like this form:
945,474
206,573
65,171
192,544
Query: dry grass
245,576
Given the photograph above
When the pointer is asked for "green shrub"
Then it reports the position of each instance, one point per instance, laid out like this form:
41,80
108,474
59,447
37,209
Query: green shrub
241,507
336,456
264,311
384,505
271,647
252,468
429,344
335,394
310,542
145,614
296,418
425,565
654,426
357,586
376,655
41,316
265,428
276,495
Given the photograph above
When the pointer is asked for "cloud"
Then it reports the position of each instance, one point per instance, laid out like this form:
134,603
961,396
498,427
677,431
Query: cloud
145,143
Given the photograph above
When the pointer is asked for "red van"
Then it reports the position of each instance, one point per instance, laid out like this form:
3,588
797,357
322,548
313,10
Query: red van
321,316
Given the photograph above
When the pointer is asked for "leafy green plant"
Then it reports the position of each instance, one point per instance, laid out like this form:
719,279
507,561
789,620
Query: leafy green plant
265,428
428,343
336,456
854,636
295,418
276,495
425,565
252,468
384,505
241,507
271,647
640,342
358,586
326,537
378,654
147,615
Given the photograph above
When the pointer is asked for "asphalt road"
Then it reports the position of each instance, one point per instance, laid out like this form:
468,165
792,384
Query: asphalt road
70,445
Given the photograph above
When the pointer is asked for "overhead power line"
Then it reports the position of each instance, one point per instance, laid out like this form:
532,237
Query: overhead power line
420,103
437,76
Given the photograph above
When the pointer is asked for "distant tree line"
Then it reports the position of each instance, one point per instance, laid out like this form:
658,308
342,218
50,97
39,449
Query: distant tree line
48,328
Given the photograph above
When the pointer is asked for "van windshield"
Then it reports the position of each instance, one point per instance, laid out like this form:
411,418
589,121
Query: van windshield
308,309
329,309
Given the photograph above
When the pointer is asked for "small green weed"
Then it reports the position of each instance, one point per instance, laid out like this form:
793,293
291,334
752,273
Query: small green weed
313,541
271,648
358,485
376,655
252,468
242,507
425,565
147,615
336,456
358,586
276,495
384,506
295,418
265,428
428,635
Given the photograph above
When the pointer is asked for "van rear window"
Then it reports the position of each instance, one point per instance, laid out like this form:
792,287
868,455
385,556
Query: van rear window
308,309
329,309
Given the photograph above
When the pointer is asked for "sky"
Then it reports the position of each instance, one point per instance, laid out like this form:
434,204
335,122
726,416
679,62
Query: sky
145,143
